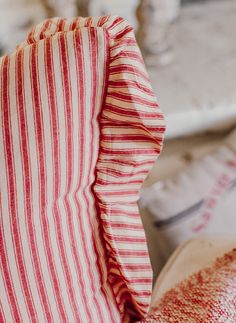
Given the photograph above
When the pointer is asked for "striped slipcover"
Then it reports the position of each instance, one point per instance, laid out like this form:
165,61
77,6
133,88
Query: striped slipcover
79,130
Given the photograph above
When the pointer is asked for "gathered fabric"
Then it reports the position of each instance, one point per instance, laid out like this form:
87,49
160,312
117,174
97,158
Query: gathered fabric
79,131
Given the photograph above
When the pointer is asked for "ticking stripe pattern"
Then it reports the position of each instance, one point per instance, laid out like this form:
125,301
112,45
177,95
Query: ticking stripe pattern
79,131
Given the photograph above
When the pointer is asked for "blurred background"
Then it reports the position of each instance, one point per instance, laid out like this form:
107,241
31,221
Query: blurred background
189,49
188,46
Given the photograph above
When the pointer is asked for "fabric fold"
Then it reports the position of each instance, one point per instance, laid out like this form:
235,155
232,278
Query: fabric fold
132,129
80,131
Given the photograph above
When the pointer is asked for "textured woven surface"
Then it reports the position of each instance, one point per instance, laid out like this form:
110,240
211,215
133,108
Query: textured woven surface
207,296
80,129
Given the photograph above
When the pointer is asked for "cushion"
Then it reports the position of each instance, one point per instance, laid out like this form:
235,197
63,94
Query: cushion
80,129
190,257
200,199
198,284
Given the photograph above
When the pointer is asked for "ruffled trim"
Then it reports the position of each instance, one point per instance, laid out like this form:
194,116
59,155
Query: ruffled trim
132,129
53,26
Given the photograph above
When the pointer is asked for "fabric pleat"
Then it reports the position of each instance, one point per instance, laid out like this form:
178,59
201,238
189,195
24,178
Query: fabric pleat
79,131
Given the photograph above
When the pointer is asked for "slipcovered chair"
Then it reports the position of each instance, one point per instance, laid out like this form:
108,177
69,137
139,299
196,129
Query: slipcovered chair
80,130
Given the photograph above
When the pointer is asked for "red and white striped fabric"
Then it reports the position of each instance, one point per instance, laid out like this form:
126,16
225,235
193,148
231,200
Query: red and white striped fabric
79,131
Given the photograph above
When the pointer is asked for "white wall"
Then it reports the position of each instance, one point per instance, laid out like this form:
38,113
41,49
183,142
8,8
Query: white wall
124,8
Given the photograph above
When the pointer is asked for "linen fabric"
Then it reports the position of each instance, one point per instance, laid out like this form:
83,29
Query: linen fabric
79,130
205,296
191,257
202,200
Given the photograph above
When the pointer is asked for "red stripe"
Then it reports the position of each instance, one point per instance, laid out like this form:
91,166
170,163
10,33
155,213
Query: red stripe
126,239
93,48
134,152
28,184
2,317
129,69
124,84
81,132
134,98
89,22
132,55
120,138
106,124
126,112
121,192
135,182
50,74
141,267
100,244
3,254
12,198
138,253
123,225
116,172
69,171
142,281
46,26
42,177
128,163
116,22
7,276
122,33
102,20
119,211
126,42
